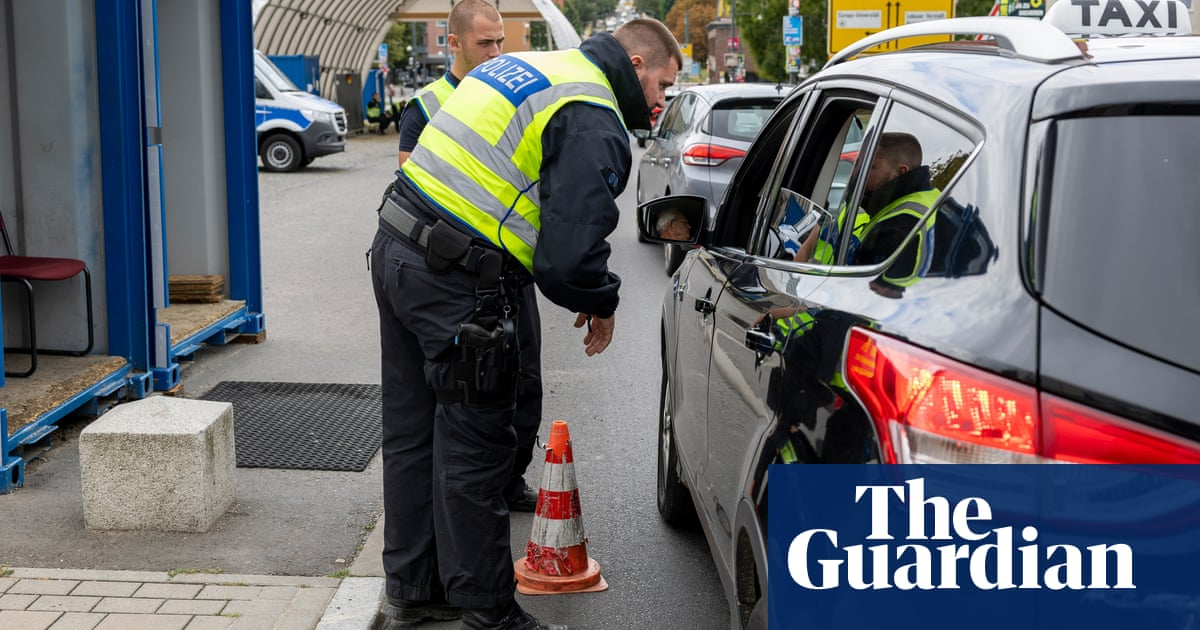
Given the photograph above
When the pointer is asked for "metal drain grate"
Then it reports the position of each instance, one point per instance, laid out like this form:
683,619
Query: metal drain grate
308,426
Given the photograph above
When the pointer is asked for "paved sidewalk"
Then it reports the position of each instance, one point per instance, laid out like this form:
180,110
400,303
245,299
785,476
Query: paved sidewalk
61,599
79,599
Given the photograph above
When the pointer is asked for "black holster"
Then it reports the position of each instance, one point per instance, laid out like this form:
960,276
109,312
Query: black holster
489,360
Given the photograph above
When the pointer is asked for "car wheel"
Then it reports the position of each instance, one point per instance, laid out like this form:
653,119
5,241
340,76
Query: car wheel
758,616
672,257
674,504
281,153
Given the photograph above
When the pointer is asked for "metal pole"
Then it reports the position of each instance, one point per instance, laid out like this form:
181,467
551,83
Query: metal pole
412,66
733,37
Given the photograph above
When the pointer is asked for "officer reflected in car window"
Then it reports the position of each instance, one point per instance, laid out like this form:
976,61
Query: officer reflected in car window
898,196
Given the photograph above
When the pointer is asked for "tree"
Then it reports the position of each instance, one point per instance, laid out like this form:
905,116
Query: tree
696,14
967,8
582,13
399,37
657,8
760,30
539,38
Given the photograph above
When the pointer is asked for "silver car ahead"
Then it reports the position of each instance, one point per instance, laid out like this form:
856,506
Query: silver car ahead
700,141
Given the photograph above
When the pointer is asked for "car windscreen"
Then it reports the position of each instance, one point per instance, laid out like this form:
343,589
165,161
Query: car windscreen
740,119
1122,239
272,73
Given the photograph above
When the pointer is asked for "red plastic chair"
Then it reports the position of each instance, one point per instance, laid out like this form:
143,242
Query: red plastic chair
23,269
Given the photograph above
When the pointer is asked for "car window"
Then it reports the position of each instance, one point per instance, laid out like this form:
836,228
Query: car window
739,208
1107,212
913,159
815,176
839,210
667,118
739,119
683,114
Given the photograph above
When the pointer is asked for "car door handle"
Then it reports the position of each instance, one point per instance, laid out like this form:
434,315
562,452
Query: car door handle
761,342
705,306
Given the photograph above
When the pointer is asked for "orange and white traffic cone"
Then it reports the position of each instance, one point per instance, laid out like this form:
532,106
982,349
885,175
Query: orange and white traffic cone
556,558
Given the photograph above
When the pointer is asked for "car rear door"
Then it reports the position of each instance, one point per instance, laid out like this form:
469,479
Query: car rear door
819,419
717,270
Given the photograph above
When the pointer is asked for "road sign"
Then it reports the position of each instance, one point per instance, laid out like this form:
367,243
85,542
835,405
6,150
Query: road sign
1022,8
383,53
793,30
686,51
851,20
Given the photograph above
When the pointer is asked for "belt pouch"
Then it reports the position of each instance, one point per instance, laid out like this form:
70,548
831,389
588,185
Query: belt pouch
446,247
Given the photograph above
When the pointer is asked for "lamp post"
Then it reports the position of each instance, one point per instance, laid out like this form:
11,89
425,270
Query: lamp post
733,51
412,66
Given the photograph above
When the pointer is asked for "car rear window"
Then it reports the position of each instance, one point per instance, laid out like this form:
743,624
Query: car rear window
1122,246
741,119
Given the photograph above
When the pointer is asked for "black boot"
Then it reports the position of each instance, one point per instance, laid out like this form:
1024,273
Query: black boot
400,614
520,497
510,617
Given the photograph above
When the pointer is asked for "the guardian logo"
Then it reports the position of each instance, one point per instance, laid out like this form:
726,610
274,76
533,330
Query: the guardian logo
956,549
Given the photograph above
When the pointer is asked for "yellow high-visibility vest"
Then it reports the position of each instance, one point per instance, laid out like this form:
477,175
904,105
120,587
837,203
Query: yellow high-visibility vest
480,158
430,98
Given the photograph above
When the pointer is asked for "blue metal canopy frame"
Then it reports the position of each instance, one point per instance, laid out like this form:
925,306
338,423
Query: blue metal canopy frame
126,131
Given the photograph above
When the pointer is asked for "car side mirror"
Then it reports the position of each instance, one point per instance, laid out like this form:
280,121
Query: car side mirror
672,219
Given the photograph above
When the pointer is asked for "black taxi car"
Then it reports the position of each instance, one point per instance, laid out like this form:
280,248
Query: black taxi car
1039,303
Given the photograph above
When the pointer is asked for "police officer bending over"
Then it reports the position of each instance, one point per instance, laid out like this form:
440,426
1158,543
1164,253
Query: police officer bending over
477,35
514,181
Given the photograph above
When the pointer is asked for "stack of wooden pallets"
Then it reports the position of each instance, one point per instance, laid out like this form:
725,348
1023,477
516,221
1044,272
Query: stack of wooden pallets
203,289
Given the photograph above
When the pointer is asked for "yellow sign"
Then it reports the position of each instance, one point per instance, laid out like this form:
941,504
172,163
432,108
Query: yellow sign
852,20
686,50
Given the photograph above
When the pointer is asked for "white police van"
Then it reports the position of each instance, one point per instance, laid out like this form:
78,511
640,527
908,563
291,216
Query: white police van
294,126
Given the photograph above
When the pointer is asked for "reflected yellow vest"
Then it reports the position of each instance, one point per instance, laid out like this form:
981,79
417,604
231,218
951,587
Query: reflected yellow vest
480,158
913,204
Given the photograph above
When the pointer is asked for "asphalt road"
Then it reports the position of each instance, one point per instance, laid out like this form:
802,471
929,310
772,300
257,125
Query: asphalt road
322,327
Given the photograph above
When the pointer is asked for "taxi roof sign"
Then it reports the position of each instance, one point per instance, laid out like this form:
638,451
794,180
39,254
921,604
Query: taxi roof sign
1119,18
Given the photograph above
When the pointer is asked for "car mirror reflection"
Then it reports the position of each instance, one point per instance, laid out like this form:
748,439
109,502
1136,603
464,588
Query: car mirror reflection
672,219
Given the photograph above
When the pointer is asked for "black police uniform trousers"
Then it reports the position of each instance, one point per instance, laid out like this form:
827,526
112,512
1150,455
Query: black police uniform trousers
528,417
444,465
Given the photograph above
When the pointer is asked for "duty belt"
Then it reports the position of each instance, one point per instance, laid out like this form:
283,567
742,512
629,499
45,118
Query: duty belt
418,230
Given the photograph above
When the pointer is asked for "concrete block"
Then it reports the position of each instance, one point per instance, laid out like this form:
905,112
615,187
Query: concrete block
161,463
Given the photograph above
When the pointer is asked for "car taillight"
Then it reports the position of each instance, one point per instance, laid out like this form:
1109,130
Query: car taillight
710,154
931,409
